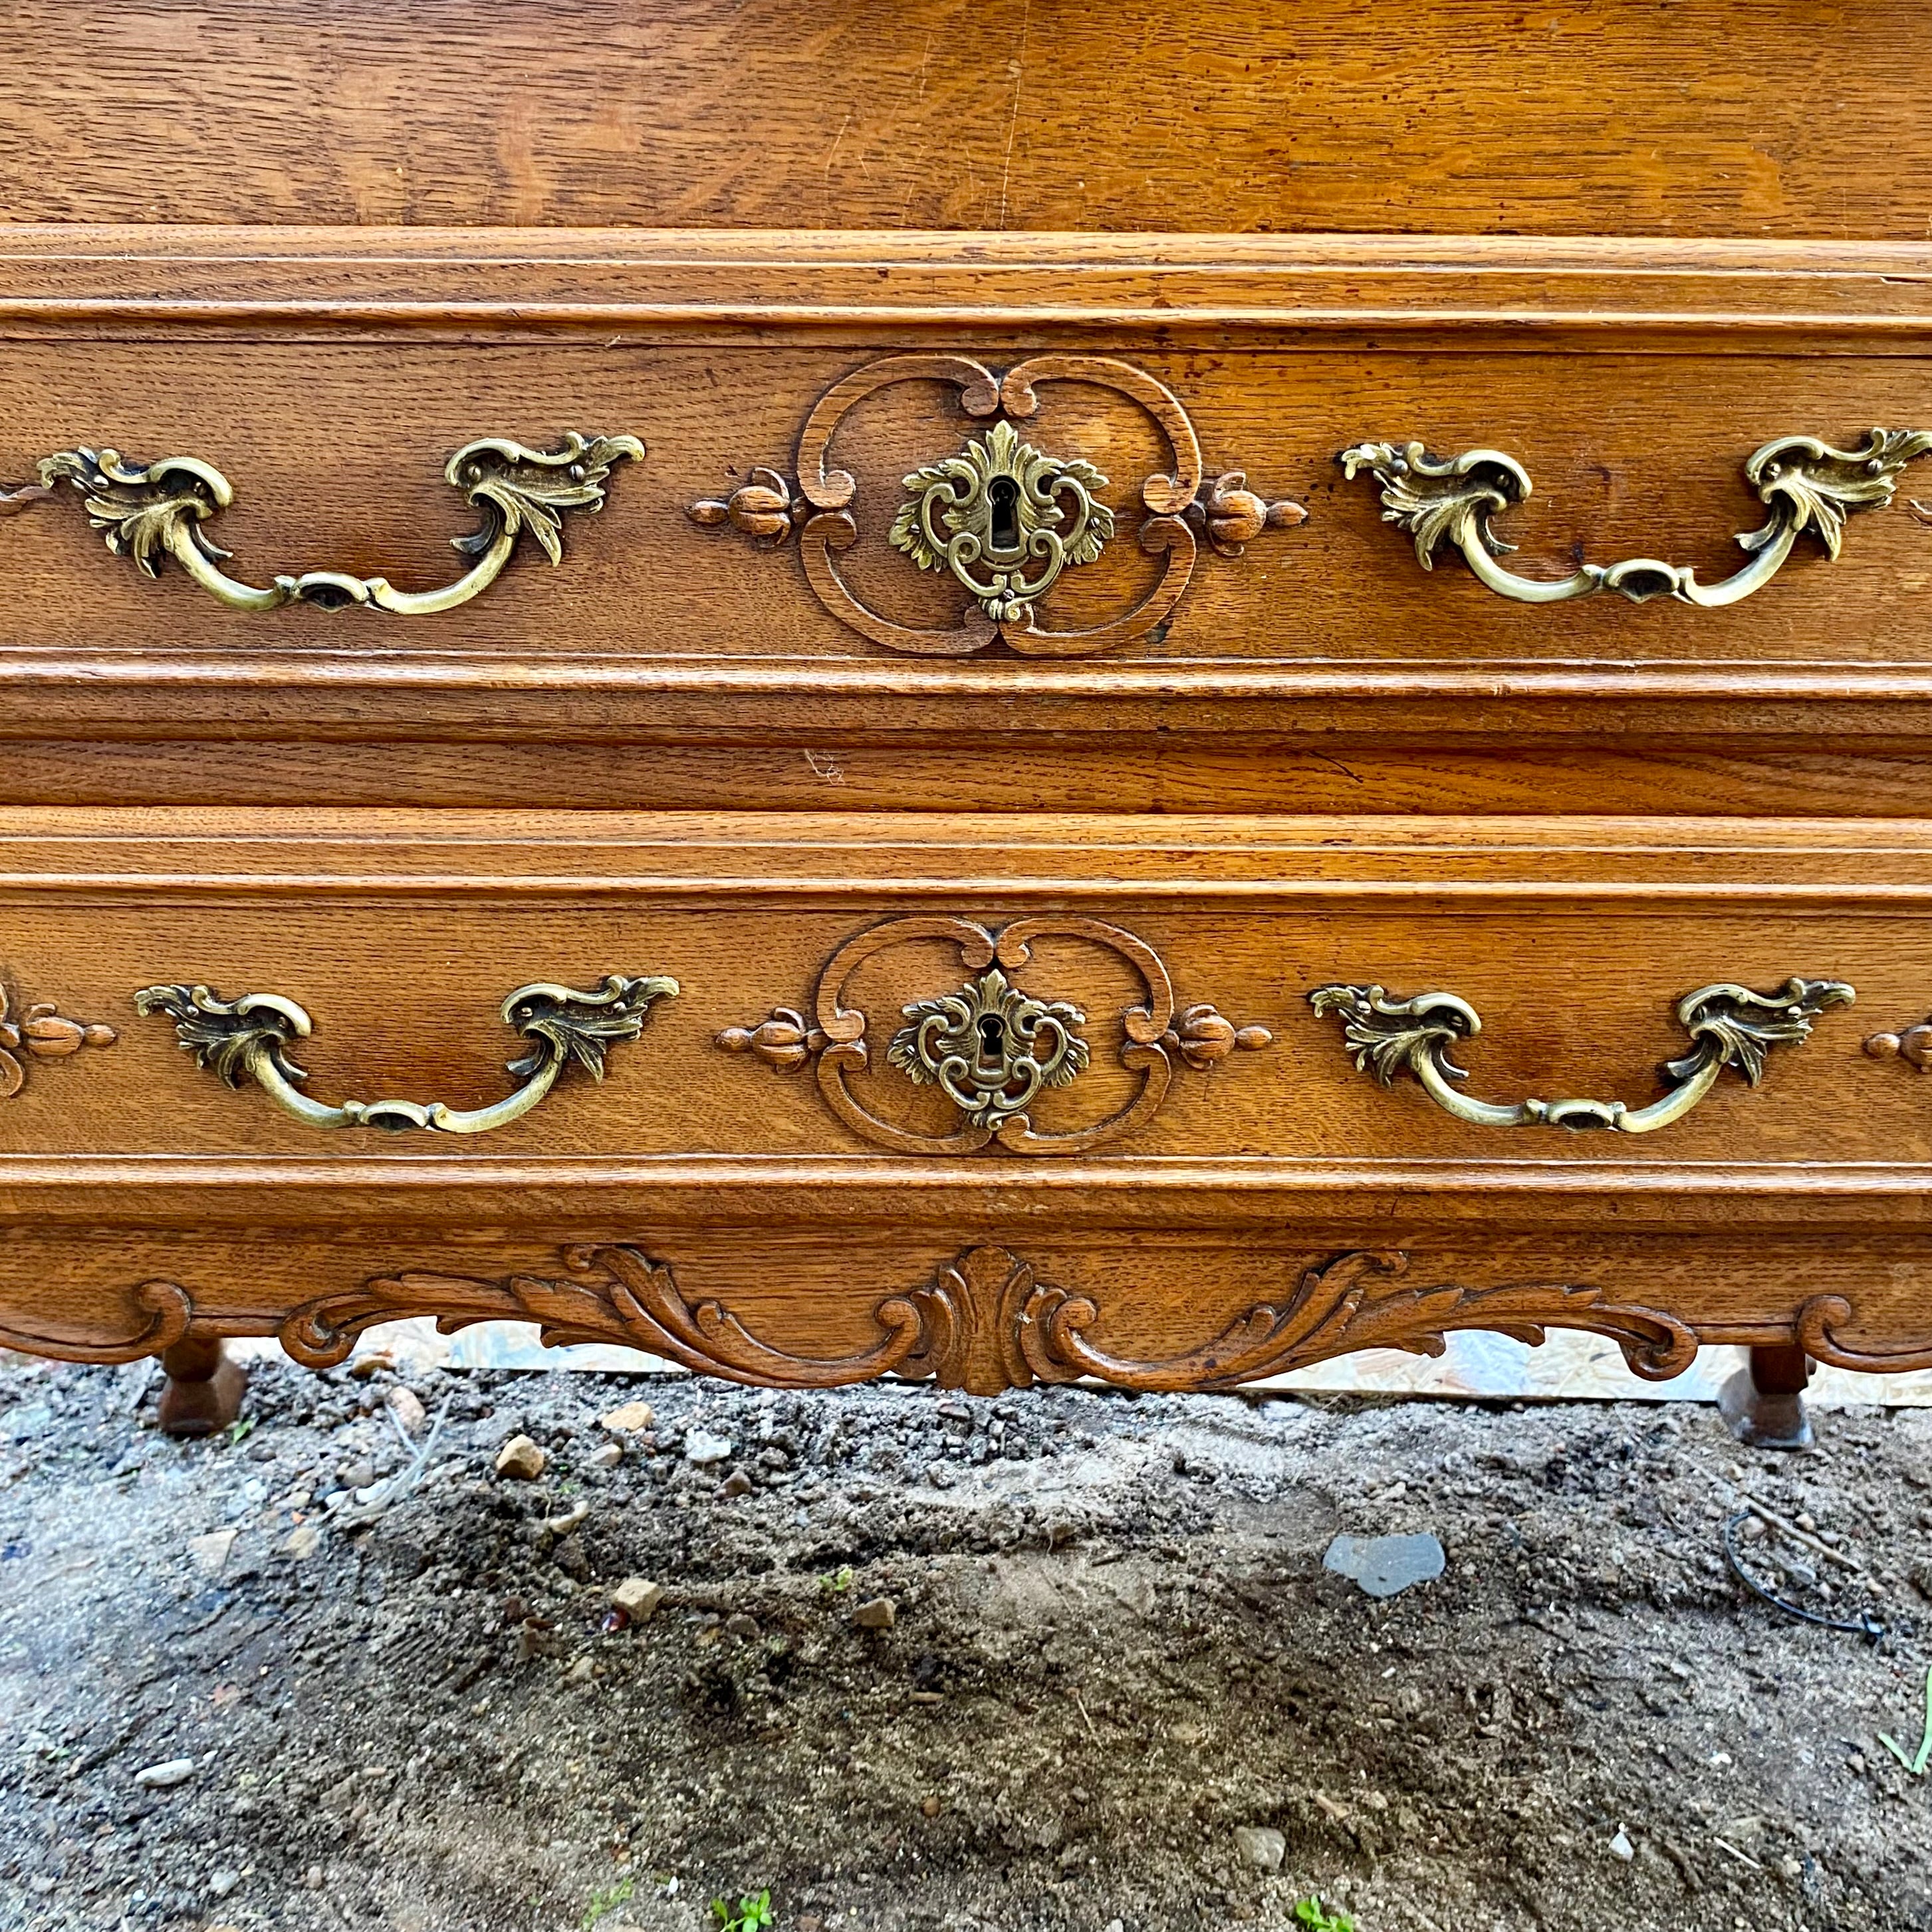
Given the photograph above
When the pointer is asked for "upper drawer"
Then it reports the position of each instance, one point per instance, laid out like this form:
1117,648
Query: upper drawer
808,452
800,574
1463,115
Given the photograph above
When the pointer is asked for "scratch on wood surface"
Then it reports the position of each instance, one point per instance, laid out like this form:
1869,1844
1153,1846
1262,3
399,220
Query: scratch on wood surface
1013,118
832,153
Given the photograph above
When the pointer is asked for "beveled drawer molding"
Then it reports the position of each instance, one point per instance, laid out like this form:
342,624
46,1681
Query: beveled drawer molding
1808,486
989,1046
248,1038
1730,1026
43,1032
1004,519
150,511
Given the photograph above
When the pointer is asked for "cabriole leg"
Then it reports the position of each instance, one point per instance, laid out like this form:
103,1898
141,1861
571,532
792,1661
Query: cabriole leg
205,1388
1765,1403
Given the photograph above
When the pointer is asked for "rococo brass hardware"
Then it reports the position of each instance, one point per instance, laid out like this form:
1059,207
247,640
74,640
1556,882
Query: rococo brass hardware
156,511
248,1038
991,1048
1729,1025
1001,501
1808,486
1003,519
41,1032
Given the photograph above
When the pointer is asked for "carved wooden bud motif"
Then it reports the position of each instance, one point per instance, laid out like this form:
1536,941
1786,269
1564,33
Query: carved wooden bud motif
1234,516
784,1043
1913,1046
43,1033
761,509
1204,1037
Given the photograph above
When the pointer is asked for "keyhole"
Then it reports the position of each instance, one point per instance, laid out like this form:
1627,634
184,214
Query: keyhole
1004,495
993,1035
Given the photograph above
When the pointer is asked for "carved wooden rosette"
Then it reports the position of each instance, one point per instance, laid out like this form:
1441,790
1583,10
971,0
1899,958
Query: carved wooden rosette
1179,501
42,1033
835,1043
984,1321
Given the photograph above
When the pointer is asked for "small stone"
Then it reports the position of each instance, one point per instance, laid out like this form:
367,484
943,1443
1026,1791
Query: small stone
304,1540
704,1449
876,1613
638,1598
360,1475
1382,1565
607,1455
406,1405
1621,1847
209,1553
744,1628
521,1460
737,1483
633,1419
930,1807
223,1882
1261,1846
562,1526
376,1362
166,1776
581,1671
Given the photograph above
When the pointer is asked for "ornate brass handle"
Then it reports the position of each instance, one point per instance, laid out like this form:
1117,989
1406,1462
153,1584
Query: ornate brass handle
247,1039
1806,485
1729,1026
156,511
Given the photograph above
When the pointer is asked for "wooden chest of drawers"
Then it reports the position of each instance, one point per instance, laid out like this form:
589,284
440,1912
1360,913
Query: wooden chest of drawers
994,841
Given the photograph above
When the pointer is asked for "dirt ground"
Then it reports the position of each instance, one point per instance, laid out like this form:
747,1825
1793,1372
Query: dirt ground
1112,1646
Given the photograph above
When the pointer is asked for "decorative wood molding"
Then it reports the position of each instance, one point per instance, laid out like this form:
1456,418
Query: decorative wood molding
984,1321
1815,1330
1056,517
1037,1043
613,1293
41,1032
1354,1301
169,1310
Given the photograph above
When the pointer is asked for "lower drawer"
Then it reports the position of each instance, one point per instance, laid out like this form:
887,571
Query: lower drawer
1175,1102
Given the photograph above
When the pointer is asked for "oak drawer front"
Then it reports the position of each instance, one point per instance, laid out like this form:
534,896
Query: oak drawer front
992,494
965,991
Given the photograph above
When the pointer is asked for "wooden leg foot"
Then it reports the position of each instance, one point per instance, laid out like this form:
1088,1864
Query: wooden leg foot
1765,1403
205,1388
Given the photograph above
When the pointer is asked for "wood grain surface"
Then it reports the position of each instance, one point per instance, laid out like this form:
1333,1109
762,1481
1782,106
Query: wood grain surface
1458,115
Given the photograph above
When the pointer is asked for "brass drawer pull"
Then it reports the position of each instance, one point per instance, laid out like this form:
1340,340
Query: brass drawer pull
158,510
1729,1026
1806,485
247,1039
